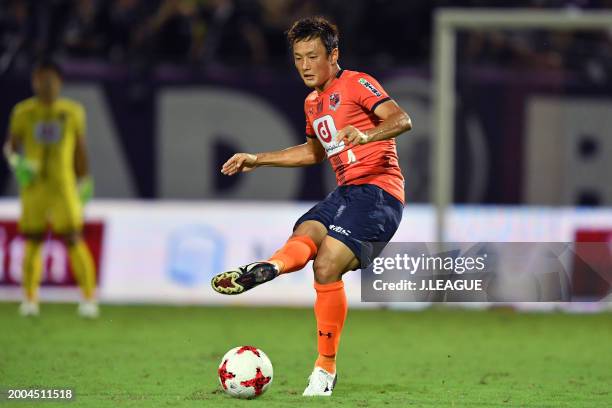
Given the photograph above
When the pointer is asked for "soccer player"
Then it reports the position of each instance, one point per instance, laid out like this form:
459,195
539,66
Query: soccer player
351,120
45,148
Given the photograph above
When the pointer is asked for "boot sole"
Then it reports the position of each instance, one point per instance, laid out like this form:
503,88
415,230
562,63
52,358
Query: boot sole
225,283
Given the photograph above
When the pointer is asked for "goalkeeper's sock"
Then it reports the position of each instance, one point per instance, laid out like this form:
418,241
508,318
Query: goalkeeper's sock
295,254
330,310
32,269
83,268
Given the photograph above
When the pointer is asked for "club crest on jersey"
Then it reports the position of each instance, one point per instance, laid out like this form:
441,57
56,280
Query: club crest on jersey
334,101
367,85
48,132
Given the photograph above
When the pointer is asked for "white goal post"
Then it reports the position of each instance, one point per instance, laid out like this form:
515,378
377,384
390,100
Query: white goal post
447,22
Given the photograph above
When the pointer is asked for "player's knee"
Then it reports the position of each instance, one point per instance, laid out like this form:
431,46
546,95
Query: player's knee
35,237
313,229
325,270
71,238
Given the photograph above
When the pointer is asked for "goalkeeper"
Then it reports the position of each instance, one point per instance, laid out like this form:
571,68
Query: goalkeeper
45,148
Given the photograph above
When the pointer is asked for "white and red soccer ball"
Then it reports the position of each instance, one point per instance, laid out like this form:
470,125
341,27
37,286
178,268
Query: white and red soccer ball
245,372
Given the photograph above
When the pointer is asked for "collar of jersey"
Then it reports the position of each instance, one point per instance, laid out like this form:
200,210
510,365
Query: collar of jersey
333,84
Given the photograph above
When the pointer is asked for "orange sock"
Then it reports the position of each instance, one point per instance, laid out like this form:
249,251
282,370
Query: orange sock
330,310
326,363
295,254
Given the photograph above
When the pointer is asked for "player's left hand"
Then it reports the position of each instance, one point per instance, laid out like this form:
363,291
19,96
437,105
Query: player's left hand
239,163
86,189
352,136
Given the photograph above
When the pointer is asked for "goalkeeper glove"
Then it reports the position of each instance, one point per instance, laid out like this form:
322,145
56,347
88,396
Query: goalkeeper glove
86,189
24,170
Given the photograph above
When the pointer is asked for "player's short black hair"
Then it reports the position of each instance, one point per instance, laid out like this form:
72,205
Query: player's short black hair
309,28
48,63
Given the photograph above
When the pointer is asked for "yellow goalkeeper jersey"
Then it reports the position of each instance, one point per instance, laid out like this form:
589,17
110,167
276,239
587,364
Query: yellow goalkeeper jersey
48,134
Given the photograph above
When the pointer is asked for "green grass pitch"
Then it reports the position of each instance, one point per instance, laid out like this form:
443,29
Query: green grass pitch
153,356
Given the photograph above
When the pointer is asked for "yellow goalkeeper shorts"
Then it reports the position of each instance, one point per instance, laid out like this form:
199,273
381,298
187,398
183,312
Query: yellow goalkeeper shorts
58,206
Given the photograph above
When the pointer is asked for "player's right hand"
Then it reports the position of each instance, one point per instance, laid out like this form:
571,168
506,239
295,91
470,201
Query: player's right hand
24,170
239,163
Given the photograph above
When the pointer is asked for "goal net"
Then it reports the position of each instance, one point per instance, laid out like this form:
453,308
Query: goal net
522,112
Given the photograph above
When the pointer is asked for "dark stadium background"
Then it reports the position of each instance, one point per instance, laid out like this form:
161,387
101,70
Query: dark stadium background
133,50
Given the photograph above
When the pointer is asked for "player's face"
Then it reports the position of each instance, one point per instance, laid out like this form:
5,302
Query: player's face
315,65
47,84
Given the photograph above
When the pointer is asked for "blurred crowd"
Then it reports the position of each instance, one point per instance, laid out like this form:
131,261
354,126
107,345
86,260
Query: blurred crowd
251,32
586,52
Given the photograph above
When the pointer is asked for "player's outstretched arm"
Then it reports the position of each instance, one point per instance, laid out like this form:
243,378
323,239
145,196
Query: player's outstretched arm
395,121
305,154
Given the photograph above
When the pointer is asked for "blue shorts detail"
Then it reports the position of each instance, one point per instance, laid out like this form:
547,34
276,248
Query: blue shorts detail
359,216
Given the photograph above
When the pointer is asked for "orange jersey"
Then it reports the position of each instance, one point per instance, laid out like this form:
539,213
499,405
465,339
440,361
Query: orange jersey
350,100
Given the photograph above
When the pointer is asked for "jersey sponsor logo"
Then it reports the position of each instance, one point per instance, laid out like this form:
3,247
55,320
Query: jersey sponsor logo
326,131
367,85
339,230
334,101
48,132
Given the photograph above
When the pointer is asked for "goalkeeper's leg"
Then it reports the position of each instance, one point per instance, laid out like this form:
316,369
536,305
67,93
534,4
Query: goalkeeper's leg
67,221
82,265
84,271
32,271
32,226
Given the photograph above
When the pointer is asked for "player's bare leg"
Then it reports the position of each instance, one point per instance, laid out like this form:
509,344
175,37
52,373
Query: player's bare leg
333,260
299,249
84,272
32,270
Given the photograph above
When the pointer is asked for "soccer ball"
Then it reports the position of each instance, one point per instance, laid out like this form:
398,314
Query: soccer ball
245,372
